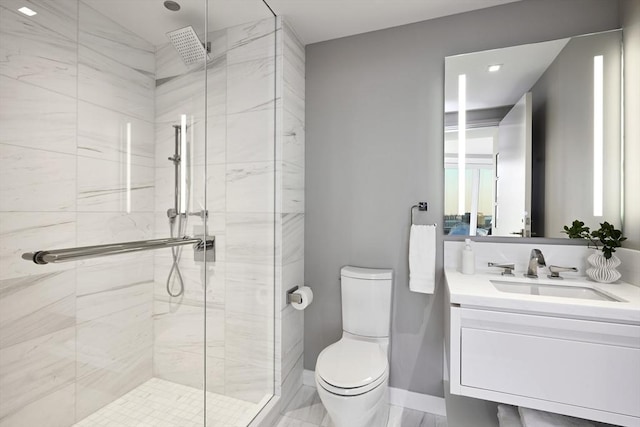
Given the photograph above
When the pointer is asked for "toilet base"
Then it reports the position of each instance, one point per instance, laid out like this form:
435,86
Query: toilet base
367,410
379,419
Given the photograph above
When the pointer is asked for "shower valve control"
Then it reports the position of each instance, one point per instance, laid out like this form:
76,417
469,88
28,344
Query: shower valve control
205,250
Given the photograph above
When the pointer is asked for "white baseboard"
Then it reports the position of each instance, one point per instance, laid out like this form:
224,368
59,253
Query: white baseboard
399,397
308,378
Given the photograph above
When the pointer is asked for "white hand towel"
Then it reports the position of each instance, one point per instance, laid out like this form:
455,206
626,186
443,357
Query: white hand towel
534,418
422,258
508,416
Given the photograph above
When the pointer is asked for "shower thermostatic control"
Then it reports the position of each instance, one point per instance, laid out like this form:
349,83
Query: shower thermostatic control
205,250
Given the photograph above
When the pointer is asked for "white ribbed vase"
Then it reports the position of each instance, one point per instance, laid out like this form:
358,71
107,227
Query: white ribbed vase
603,270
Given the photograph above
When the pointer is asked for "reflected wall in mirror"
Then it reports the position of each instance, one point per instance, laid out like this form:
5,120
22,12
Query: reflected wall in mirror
533,137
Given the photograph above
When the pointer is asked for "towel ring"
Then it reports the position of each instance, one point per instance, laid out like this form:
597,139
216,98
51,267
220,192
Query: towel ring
421,206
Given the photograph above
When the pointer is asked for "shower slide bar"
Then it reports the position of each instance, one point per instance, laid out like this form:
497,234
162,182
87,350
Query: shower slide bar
85,252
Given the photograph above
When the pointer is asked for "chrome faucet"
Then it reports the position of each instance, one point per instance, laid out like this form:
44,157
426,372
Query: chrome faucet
536,259
508,267
556,270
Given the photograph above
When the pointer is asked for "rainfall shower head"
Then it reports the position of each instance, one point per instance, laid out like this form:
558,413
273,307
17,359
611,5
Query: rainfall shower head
188,45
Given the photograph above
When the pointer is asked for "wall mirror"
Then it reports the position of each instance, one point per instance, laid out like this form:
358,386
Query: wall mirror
533,137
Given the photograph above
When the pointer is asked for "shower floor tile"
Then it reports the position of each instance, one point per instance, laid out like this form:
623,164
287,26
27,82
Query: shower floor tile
160,403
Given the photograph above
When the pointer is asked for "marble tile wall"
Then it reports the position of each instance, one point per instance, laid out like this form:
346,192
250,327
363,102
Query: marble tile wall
37,306
94,329
290,183
179,323
73,336
255,189
114,328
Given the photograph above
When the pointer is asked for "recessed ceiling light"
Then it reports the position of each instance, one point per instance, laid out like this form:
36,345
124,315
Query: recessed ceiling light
27,11
495,67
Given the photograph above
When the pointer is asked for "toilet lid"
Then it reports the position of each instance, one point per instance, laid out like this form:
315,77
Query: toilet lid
351,363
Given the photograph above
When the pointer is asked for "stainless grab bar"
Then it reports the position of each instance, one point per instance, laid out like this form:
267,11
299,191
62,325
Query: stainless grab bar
85,252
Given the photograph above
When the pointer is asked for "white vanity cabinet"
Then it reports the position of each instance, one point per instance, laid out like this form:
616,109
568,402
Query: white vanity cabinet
576,367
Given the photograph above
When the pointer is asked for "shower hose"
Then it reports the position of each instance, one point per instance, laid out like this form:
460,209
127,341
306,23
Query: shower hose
175,254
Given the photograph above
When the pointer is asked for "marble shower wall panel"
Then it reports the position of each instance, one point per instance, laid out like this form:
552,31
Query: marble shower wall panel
250,86
35,190
251,41
102,186
179,344
33,369
119,44
65,116
102,134
250,136
217,74
40,51
54,409
249,316
250,187
250,238
106,385
115,66
116,88
54,113
21,232
36,305
293,119
37,348
290,205
114,306
180,95
38,138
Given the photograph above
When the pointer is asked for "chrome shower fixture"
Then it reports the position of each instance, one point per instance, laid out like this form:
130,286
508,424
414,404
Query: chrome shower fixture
188,45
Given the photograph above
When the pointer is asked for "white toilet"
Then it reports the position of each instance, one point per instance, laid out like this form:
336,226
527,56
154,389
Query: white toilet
352,375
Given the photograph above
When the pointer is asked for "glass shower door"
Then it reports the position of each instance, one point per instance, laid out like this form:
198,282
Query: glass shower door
112,132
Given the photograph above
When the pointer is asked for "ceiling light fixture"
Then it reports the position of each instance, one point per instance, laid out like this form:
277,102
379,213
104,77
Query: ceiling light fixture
172,5
495,67
25,10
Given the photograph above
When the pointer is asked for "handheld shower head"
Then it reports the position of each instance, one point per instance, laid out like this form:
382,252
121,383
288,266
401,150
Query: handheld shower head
188,45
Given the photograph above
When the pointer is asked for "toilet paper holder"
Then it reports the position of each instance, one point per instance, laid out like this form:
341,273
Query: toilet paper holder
291,297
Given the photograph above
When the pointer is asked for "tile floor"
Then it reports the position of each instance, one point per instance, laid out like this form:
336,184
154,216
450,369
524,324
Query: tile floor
306,410
160,403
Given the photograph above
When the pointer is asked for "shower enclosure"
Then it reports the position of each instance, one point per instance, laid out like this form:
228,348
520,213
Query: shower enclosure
145,184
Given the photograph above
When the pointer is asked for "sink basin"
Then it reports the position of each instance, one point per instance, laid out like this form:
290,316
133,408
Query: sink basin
550,290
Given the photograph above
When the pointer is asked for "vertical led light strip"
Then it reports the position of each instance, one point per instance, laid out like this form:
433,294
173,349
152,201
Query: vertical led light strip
190,182
462,140
128,172
598,135
183,163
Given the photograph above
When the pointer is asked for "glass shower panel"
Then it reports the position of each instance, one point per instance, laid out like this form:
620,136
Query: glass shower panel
111,132
38,210
90,116
241,199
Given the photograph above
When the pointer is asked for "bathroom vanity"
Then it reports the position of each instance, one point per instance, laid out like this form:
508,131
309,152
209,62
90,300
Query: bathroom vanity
567,346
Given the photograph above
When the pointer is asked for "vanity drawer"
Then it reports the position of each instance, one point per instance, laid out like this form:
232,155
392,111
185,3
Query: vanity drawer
567,361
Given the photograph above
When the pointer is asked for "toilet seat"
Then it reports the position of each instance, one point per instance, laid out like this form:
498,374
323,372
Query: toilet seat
352,367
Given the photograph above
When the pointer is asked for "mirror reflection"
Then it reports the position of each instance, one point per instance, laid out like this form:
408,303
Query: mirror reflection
532,137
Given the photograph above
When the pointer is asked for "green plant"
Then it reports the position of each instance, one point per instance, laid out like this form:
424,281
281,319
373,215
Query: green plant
607,235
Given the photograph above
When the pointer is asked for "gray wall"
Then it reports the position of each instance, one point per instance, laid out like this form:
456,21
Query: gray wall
375,147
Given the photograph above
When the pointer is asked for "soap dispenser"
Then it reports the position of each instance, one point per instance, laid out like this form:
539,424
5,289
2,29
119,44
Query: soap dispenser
468,258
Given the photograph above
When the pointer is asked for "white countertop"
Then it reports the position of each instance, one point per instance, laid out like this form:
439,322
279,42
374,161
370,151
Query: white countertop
477,291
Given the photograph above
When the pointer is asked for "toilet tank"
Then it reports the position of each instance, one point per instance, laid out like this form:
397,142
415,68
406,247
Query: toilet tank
366,301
